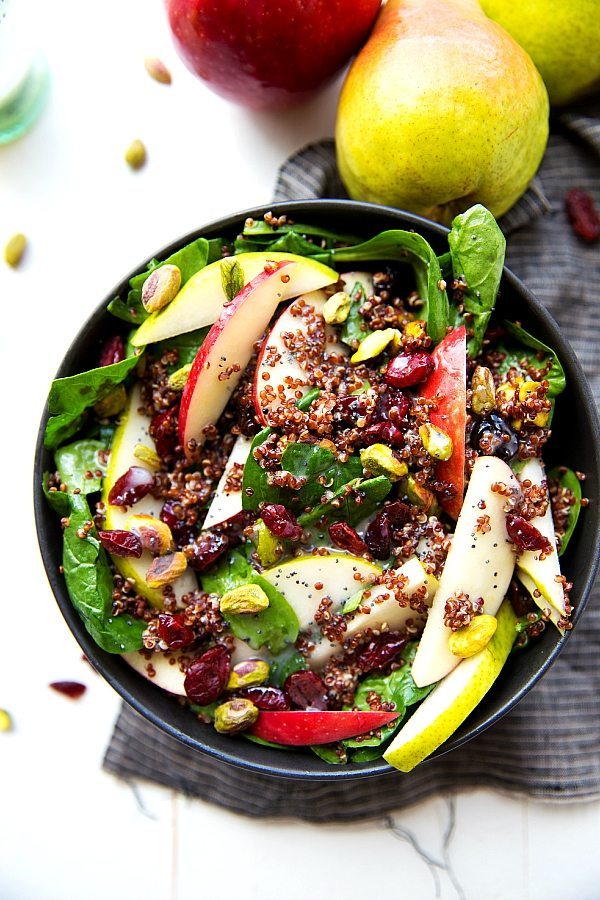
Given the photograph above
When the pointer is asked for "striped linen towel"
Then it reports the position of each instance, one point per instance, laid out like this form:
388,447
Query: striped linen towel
548,747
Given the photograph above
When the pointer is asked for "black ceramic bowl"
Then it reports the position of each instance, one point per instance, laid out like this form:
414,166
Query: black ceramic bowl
575,443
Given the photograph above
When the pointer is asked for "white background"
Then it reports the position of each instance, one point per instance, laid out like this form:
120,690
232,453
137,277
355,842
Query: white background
69,830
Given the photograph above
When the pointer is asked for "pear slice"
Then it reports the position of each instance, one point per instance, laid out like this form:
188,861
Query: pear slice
530,586
451,701
227,502
365,279
133,430
480,563
543,573
200,301
306,580
385,607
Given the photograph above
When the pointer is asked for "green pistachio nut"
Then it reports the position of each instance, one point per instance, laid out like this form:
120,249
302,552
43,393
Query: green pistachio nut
248,673
14,250
235,715
419,495
165,570
178,380
268,547
5,720
437,443
473,637
483,400
160,287
379,459
147,455
135,155
375,343
248,599
336,308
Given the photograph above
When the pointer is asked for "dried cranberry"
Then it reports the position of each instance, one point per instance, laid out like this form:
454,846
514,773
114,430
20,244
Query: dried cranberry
408,369
112,351
392,405
347,538
380,651
207,676
493,436
280,521
72,689
173,515
174,632
348,409
398,513
163,431
382,433
265,697
134,484
378,536
206,550
306,690
121,543
583,215
525,535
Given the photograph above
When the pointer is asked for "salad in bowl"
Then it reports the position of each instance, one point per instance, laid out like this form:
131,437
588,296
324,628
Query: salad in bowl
303,490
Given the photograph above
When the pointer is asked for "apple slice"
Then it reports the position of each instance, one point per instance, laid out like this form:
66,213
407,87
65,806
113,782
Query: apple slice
544,573
306,580
226,351
227,501
283,368
480,563
451,701
201,300
385,606
301,728
132,430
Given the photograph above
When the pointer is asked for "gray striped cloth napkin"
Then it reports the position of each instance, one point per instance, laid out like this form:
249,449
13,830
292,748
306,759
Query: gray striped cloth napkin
549,746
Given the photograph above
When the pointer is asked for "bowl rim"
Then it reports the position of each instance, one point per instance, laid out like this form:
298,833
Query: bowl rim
96,656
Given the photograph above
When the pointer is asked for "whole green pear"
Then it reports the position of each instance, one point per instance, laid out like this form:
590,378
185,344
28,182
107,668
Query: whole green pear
561,36
441,110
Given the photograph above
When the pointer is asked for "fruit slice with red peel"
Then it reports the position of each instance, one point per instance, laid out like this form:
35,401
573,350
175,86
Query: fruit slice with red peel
226,351
282,371
201,300
448,385
299,728
227,501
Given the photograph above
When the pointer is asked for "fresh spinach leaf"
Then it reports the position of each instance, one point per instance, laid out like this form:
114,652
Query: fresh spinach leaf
306,402
477,248
262,742
70,397
368,754
322,470
334,754
90,584
58,500
255,485
351,502
232,277
190,259
285,664
567,478
274,627
233,571
74,460
354,329
406,246
208,712
303,240
515,356
186,345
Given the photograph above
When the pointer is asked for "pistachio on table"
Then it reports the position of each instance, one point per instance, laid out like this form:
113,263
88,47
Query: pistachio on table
157,70
14,250
135,155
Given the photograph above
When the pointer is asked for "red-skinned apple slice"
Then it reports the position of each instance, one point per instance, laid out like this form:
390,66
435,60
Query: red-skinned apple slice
300,728
448,385
227,501
226,351
282,350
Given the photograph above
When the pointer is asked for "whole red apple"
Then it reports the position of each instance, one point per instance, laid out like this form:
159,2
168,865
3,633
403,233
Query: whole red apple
269,54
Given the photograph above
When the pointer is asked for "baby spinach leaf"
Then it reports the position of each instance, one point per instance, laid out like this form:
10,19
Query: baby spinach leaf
321,468
190,259
255,486
233,571
515,355
406,246
567,478
186,345
477,248
274,627
334,754
90,584
285,664
368,754
58,500
354,329
351,502
304,240
74,460
262,742
232,277
70,397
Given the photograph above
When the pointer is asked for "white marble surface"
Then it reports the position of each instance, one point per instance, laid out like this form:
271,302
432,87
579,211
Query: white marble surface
68,829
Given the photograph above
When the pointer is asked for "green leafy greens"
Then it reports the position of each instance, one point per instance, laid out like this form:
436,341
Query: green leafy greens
566,478
353,329
74,461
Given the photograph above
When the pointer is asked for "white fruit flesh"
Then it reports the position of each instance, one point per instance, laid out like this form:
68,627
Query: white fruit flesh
226,351
227,503
306,580
480,563
200,301
531,587
544,573
391,607
286,374
451,701
365,279
132,430
162,669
